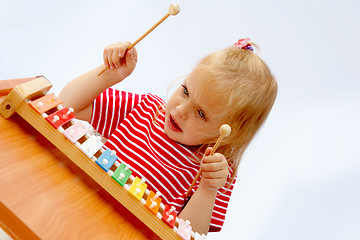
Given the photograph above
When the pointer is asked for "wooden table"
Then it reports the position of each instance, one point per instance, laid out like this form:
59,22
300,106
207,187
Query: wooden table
44,195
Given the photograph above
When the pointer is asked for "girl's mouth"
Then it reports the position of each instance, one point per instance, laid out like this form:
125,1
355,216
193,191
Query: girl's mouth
173,125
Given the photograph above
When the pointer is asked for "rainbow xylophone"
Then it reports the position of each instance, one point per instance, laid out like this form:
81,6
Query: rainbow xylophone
83,145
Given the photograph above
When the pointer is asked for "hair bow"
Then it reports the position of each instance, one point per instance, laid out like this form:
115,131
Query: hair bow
244,43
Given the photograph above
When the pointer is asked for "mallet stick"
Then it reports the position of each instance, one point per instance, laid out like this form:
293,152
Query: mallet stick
174,9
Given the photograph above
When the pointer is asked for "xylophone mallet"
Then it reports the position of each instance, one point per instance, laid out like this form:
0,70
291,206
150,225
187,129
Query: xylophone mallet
225,131
174,9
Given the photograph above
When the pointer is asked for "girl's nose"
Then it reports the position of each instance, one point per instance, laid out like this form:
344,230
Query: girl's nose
182,111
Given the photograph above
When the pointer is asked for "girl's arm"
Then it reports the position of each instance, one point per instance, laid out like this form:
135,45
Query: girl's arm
200,206
81,92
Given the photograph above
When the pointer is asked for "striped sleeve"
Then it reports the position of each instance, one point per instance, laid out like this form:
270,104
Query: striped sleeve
110,108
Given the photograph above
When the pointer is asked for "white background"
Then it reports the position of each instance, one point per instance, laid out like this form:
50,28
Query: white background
300,177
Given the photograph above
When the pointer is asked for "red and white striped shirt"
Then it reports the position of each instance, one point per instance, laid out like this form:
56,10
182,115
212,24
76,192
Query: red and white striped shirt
134,126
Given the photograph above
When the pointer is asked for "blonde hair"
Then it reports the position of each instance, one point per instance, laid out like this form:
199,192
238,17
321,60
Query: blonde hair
251,92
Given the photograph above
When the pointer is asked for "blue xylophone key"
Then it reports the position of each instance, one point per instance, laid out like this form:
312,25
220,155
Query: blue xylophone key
106,159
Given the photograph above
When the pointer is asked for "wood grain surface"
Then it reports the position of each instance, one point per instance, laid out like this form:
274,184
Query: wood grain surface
45,195
7,85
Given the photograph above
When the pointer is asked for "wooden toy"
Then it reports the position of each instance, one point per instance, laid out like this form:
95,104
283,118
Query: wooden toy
88,148
8,85
225,131
174,9
45,195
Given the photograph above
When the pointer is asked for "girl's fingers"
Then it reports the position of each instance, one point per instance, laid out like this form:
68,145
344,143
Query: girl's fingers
208,151
134,54
214,175
214,170
216,157
131,59
115,58
121,51
113,54
105,58
109,59
212,167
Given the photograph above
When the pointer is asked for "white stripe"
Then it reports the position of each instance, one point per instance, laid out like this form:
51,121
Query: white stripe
215,225
100,114
222,194
106,112
112,114
220,213
119,109
125,105
93,114
218,206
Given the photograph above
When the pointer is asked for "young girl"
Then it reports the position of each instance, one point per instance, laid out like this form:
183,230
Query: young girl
167,143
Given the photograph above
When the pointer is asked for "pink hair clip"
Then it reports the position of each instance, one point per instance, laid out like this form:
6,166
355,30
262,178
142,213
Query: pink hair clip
244,43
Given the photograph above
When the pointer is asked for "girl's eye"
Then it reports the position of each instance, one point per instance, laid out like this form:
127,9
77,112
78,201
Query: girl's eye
185,90
201,114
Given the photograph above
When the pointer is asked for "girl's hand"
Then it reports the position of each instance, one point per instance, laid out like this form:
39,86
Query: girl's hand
117,57
215,171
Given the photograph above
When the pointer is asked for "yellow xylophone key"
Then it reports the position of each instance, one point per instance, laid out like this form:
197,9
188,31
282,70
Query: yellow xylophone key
138,187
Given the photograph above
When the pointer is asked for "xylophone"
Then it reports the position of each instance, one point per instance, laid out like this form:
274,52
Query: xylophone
83,145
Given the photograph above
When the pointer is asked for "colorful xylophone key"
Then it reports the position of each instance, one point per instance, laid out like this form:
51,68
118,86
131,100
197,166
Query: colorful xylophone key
153,202
122,174
76,131
45,103
169,215
92,145
184,229
60,117
138,187
107,159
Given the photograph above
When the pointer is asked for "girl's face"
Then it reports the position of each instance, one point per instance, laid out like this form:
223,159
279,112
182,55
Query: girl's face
192,112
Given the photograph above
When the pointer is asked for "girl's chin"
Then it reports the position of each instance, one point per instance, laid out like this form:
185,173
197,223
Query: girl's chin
181,140
174,135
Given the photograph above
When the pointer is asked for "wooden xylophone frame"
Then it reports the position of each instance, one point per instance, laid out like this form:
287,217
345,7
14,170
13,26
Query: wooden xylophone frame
17,101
